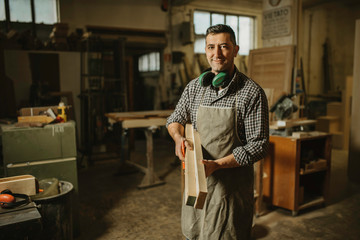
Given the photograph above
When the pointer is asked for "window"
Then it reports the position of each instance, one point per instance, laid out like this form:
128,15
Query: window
20,11
46,11
149,62
2,11
243,27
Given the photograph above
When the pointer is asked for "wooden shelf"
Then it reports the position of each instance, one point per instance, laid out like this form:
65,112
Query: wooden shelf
309,171
315,166
286,183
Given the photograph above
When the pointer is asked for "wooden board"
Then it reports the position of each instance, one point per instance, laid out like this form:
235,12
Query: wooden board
140,123
346,101
291,123
34,111
120,116
189,174
328,124
335,109
272,68
258,193
300,134
195,179
201,185
354,143
24,184
40,118
269,92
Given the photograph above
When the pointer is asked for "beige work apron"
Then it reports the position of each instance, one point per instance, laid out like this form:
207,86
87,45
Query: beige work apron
228,210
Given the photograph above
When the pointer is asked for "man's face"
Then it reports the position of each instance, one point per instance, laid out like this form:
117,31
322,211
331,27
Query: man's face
220,52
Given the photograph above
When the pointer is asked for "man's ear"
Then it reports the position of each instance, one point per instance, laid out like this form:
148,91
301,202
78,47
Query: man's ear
236,50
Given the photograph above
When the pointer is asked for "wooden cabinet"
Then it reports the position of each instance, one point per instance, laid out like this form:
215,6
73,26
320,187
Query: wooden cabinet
297,171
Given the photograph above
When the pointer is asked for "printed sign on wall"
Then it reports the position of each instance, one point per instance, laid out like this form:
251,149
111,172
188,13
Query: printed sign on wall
276,23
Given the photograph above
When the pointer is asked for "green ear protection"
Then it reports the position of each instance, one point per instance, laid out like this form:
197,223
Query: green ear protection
208,77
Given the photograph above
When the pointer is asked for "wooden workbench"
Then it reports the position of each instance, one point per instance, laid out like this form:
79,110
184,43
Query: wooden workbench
149,121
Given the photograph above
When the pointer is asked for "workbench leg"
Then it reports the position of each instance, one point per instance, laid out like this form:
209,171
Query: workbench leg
124,145
124,167
150,179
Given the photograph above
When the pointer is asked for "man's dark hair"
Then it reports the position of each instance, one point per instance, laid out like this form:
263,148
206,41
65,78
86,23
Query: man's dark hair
222,28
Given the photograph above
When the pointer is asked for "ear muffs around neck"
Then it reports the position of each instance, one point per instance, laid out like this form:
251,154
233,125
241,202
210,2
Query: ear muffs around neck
208,77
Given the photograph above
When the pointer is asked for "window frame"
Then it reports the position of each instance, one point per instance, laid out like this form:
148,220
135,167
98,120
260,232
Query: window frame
149,70
8,23
201,36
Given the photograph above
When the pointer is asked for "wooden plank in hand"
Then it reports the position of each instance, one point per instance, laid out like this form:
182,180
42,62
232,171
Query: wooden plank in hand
195,178
200,177
189,188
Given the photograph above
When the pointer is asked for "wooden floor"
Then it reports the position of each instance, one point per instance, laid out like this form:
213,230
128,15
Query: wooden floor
112,207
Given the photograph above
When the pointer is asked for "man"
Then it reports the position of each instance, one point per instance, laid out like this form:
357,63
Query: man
230,113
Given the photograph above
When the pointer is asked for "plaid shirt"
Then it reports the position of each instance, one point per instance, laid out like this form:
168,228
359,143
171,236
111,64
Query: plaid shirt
252,113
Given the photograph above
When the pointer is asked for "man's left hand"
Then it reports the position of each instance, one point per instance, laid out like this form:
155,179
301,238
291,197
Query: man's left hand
210,166
225,162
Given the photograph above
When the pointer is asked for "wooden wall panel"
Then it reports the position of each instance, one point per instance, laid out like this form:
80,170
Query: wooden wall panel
354,148
273,68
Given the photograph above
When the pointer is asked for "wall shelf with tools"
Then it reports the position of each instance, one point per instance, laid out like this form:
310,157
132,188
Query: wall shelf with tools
103,89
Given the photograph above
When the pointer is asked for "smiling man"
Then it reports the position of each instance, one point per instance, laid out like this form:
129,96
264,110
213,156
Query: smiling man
230,112
221,50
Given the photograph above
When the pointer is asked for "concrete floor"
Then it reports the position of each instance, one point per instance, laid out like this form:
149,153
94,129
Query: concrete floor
112,207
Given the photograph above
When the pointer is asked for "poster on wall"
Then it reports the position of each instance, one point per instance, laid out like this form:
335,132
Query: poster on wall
276,22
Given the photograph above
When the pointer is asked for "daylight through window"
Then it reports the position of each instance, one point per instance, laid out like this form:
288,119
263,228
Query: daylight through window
2,11
46,11
149,62
243,27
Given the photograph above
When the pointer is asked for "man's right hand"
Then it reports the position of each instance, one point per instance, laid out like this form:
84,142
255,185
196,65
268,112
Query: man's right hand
180,146
176,131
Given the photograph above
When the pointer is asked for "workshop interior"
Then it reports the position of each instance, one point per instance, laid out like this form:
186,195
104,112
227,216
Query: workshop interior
86,88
